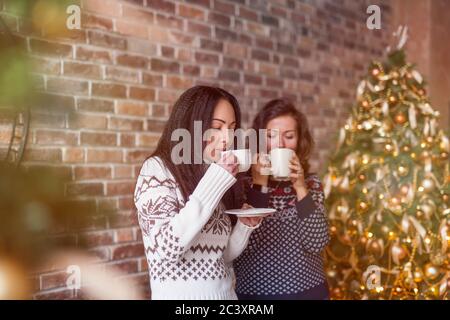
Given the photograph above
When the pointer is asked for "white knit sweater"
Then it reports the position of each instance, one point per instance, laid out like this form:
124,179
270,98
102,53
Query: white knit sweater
189,246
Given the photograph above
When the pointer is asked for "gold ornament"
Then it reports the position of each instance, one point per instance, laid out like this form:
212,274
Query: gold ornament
404,189
444,155
402,170
438,259
398,253
406,148
400,118
362,206
388,147
375,247
392,99
418,275
365,104
445,197
365,158
431,271
428,184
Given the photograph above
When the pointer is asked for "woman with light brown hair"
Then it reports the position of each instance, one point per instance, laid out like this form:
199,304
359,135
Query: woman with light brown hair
283,258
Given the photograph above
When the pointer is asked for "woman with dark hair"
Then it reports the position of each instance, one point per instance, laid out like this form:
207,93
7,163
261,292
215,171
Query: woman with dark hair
283,258
189,242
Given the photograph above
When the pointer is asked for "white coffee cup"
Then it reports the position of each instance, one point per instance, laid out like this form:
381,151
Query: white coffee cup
279,163
243,156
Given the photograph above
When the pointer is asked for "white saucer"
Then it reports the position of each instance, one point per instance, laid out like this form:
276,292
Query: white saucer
251,212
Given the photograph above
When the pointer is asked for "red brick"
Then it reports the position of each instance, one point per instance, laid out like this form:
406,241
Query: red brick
162,5
106,40
178,82
143,264
92,173
191,12
168,96
100,156
142,93
203,3
153,80
128,251
67,86
120,188
213,45
45,155
56,137
126,203
109,90
132,29
148,139
156,125
109,8
53,280
167,52
179,38
137,14
219,19
224,7
158,34
165,66
127,140
123,235
121,75
98,139
95,105
98,238
123,172
90,21
206,58
132,61
123,124
50,48
124,267
169,22
137,156
132,108
199,29
46,66
158,110
82,70
73,155
85,189
191,70
99,56
87,121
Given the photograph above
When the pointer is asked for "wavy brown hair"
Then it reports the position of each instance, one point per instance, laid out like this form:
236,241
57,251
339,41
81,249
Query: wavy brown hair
283,107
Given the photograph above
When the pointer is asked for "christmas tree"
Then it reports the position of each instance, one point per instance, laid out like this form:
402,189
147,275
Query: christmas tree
387,191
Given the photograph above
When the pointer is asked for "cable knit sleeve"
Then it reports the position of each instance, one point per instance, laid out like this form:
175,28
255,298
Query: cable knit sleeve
238,241
168,227
313,221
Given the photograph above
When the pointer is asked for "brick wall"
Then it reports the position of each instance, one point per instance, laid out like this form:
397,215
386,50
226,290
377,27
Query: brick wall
121,73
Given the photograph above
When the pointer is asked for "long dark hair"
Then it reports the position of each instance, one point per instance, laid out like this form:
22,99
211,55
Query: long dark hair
282,107
196,104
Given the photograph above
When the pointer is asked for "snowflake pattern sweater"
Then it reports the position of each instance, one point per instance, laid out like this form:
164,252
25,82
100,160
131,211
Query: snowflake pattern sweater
283,258
189,245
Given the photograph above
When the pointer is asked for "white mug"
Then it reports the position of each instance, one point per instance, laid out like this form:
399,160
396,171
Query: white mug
279,163
244,158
